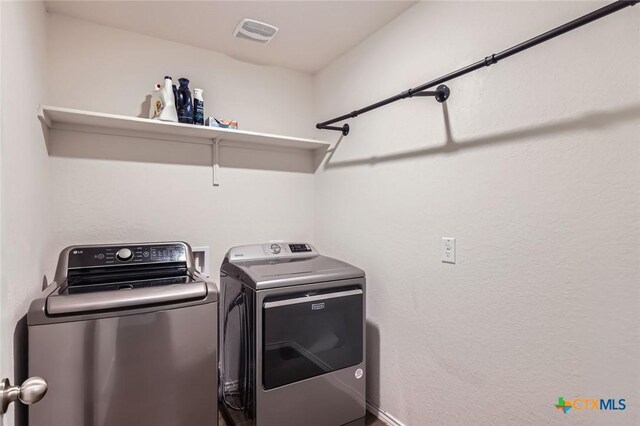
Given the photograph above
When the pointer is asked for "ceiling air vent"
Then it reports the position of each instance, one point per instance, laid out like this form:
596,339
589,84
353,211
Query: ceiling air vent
251,29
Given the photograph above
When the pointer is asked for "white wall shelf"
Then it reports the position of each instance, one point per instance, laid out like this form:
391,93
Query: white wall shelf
57,118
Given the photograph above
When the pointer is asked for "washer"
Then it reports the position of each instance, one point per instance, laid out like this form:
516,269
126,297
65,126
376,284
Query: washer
125,336
292,337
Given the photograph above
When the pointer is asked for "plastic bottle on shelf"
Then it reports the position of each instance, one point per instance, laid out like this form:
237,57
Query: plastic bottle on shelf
198,107
169,112
156,104
185,103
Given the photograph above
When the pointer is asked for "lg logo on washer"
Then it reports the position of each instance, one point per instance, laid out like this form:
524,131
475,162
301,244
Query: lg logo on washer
317,306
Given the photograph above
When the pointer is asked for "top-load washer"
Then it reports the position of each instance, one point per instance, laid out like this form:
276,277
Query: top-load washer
125,336
292,337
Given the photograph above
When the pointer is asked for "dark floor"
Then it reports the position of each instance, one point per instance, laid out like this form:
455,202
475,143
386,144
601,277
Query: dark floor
371,420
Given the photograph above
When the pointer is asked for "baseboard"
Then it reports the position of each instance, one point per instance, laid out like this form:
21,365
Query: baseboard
386,418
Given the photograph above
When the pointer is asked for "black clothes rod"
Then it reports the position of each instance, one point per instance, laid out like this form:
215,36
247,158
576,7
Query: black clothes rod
487,61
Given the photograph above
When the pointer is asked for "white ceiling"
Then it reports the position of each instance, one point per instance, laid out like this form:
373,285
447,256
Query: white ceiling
312,33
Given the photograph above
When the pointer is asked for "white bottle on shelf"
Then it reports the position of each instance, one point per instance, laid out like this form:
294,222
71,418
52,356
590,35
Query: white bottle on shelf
169,112
156,104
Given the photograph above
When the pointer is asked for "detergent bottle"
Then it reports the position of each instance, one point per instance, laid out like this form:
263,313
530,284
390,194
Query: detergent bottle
168,112
155,106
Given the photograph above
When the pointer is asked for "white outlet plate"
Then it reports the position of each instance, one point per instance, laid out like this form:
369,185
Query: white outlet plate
448,250
201,259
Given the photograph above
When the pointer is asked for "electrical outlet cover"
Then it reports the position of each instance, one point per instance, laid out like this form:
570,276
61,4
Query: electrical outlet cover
448,250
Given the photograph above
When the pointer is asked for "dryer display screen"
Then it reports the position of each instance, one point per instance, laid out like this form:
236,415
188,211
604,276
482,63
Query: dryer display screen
299,248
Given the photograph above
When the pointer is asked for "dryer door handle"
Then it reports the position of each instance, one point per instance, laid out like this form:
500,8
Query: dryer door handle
314,298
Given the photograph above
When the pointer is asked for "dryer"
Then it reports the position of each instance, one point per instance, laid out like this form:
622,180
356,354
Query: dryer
292,337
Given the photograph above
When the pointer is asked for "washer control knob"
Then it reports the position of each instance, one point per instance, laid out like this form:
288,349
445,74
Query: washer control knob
124,254
275,248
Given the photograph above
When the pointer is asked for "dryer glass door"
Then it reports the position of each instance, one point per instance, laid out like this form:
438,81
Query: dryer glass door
308,335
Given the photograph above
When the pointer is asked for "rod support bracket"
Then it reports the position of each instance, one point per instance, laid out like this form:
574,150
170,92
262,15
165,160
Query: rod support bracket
344,129
443,93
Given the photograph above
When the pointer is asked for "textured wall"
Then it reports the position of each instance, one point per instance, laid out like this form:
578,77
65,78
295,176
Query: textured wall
534,166
25,171
136,189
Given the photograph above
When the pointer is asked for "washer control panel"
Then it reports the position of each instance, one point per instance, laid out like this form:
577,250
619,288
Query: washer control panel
92,256
271,250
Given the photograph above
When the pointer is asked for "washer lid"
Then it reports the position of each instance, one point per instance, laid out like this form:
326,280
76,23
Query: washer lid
286,271
58,304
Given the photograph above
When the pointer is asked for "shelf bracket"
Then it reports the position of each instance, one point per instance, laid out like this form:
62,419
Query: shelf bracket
215,160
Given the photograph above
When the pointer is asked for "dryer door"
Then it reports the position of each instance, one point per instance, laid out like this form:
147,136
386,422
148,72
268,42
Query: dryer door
306,335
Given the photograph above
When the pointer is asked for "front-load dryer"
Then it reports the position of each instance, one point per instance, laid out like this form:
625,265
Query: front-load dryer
292,337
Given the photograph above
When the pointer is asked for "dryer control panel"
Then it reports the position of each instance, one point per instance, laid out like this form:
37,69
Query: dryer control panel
271,250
